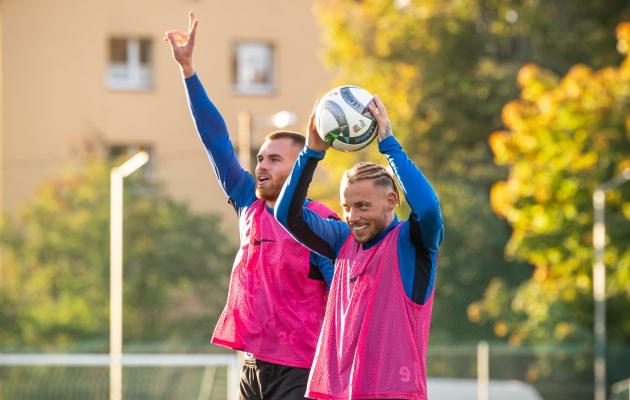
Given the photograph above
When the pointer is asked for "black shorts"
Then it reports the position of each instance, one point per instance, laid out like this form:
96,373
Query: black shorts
262,380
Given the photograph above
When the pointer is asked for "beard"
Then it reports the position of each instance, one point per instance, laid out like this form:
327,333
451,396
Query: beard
268,193
272,190
375,227
371,233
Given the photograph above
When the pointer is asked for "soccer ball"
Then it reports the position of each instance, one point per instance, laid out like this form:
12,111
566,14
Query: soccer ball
343,120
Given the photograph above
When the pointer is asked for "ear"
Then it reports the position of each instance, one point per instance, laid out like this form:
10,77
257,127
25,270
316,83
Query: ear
392,201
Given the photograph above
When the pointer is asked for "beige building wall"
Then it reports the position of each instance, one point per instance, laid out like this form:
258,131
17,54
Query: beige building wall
56,55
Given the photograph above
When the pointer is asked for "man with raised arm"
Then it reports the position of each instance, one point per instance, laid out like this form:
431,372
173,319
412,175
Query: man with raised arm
374,339
276,300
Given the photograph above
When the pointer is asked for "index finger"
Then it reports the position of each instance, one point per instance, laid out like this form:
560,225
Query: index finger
380,106
191,19
192,29
379,115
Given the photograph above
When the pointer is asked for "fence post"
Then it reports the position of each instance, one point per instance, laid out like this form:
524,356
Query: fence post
234,375
483,371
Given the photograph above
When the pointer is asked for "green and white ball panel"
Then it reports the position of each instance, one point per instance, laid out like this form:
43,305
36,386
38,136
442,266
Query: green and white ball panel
343,120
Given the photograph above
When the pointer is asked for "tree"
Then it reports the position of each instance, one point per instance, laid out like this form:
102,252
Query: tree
56,286
445,70
564,137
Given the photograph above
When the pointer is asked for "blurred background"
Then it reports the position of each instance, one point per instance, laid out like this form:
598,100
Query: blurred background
516,110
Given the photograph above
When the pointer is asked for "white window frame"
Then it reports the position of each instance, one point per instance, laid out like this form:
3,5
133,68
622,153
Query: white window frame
132,74
249,60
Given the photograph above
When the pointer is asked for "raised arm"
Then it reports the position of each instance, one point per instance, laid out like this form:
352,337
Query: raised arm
237,184
418,191
323,236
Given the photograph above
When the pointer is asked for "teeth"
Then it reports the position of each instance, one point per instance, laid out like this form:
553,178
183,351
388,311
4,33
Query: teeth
359,228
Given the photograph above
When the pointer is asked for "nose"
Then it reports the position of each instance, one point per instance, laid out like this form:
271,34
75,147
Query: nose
352,215
262,164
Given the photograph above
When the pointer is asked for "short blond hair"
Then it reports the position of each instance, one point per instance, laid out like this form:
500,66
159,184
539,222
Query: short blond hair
372,171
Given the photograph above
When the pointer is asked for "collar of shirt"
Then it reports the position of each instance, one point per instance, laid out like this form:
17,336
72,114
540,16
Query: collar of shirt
381,235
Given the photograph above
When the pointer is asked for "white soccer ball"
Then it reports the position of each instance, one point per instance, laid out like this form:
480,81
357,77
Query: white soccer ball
343,120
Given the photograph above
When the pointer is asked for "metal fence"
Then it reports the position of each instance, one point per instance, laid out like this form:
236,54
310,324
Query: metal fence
145,376
558,373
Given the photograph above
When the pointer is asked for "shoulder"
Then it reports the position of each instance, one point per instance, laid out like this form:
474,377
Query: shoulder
257,205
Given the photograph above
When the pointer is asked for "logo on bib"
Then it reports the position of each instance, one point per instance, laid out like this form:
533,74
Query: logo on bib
405,374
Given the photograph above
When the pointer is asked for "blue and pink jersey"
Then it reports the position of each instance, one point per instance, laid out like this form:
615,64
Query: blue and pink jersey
375,333
277,294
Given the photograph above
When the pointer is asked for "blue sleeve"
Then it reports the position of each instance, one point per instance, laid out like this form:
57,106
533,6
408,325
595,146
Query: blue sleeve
323,236
325,267
422,233
238,185
419,193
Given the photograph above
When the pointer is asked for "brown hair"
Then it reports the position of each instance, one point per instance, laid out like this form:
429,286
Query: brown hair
374,172
298,139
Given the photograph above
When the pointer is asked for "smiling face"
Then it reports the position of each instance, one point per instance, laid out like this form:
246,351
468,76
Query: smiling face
275,161
367,208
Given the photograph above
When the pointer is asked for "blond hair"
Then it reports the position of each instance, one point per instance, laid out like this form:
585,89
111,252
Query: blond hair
376,173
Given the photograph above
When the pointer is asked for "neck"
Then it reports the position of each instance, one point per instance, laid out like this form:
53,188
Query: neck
390,217
270,203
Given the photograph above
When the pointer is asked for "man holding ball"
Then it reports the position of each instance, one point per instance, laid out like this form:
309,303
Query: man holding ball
276,301
375,334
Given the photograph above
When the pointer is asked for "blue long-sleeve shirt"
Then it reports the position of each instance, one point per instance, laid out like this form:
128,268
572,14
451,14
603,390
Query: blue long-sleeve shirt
419,237
237,184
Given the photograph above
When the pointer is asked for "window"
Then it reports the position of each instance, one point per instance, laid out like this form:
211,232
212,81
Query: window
130,64
252,68
123,152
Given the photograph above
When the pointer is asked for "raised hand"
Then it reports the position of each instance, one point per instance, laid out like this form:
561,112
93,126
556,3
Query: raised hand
182,45
313,140
383,126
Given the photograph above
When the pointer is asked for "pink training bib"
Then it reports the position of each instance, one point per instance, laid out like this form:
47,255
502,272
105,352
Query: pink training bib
374,338
274,310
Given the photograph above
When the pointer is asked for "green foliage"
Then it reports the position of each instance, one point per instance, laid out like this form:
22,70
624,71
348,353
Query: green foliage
55,289
445,69
565,137
469,258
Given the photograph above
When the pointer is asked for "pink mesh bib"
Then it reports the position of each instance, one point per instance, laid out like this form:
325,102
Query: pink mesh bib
273,311
374,338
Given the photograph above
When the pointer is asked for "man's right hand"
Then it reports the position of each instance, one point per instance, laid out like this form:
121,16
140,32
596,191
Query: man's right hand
313,140
182,44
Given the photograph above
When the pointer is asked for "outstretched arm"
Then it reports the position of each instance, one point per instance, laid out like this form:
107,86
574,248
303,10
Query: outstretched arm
237,184
323,236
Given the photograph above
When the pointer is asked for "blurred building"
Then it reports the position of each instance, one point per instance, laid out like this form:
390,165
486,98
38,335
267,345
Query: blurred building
79,74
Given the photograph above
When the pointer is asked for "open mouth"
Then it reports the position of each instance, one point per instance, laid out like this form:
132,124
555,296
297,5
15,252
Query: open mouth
263,179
